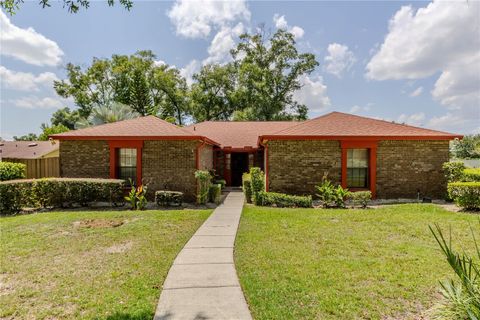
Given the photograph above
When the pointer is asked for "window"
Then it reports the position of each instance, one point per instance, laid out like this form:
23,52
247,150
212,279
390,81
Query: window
357,168
127,164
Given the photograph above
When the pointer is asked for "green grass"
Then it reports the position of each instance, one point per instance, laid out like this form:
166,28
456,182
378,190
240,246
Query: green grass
345,264
54,267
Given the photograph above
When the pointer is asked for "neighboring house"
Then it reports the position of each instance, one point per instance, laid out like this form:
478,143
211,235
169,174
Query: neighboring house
392,160
40,157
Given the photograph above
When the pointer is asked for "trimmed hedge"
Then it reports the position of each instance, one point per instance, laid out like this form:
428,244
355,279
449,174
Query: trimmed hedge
215,193
453,170
361,198
282,200
257,182
471,174
167,198
57,192
465,194
247,187
12,170
222,182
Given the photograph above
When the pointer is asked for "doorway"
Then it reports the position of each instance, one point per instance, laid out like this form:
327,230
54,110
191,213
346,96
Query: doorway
239,166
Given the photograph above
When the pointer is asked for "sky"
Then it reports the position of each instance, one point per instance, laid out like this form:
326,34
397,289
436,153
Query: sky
414,62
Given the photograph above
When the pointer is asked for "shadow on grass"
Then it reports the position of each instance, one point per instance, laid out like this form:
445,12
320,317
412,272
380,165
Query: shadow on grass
143,315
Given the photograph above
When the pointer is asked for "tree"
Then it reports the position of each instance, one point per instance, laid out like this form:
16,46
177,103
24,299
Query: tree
12,6
27,137
112,112
65,117
212,93
268,73
49,130
467,148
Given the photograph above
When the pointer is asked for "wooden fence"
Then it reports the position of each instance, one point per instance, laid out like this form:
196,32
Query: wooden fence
40,168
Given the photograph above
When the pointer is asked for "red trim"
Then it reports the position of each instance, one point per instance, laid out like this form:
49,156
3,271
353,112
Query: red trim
113,145
267,185
372,146
358,138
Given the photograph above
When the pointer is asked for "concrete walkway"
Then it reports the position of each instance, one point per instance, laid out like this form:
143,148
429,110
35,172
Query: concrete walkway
202,282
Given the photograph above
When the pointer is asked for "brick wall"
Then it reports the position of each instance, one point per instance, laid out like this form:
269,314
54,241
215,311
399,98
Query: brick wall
297,166
403,167
206,157
84,159
170,165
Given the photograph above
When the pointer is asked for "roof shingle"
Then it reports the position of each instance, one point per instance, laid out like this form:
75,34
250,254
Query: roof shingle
26,149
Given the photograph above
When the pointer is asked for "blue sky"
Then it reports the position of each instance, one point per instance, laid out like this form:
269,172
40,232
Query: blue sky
413,62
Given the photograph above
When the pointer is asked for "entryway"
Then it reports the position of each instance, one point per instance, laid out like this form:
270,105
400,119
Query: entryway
239,166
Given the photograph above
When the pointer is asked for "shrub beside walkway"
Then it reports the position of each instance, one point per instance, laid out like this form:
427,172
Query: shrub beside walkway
202,282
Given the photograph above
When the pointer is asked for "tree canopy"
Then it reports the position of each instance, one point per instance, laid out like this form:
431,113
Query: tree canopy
12,6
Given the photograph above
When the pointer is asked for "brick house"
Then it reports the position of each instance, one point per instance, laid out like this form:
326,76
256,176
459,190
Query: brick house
392,160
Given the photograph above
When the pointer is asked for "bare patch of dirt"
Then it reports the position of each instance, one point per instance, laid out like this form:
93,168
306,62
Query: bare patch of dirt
98,223
119,248
6,287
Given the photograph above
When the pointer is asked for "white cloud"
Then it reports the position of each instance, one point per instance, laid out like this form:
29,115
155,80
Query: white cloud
313,93
33,102
196,19
415,119
339,59
189,70
159,63
222,43
281,23
26,81
416,92
27,45
356,109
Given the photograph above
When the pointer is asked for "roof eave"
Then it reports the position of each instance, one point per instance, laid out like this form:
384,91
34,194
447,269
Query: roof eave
340,137
130,138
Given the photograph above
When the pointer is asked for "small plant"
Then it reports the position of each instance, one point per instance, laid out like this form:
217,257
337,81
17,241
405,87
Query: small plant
12,170
204,181
137,197
330,195
361,198
247,187
453,171
257,182
462,297
215,193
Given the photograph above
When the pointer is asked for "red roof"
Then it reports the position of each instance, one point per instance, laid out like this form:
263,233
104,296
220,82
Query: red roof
238,134
149,127
26,149
337,125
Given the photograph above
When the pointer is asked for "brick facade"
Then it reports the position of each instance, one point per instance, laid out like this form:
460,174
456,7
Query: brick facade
405,167
206,157
170,165
84,159
296,166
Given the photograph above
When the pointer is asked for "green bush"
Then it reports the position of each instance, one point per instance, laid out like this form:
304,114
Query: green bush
257,182
247,187
204,179
453,171
360,198
222,183
330,195
57,192
12,170
471,174
283,200
215,193
465,194
167,198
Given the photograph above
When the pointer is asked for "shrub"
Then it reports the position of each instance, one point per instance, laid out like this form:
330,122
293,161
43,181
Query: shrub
12,171
330,195
257,182
137,197
461,296
204,179
57,192
222,183
283,200
471,174
361,198
247,187
167,198
453,171
215,193
465,194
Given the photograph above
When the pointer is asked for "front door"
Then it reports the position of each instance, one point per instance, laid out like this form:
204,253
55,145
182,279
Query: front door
239,166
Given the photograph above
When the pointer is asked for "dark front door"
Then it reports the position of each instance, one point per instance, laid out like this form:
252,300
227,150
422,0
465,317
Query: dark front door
239,166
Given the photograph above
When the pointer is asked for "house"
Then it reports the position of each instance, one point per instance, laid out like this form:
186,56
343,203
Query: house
392,160
40,157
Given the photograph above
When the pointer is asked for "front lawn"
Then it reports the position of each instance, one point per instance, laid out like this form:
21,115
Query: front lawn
91,265
345,264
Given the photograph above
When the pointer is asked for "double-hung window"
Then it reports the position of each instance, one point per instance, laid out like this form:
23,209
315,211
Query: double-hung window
127,164
358,168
